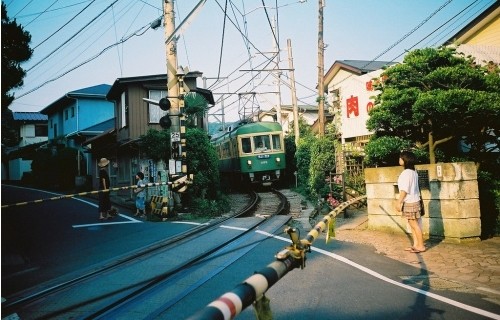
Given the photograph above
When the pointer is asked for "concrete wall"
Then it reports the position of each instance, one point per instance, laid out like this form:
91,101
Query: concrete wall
451,201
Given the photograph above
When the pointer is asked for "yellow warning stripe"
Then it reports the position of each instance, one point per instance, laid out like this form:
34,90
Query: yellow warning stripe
84,193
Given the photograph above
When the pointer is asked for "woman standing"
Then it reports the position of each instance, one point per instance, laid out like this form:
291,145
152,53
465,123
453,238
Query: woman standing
409,199
140,195
104,199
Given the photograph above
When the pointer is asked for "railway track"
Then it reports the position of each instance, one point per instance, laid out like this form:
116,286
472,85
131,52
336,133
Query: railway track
149,278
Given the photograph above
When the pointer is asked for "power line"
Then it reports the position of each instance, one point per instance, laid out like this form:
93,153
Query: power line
435,30
53,3
54,33
137,33
400,40
222,40
68,40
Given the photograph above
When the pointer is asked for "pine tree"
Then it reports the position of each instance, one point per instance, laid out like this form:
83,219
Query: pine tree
15,50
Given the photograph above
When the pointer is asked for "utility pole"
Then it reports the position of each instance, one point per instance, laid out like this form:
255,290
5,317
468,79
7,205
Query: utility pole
321,72
294,93
278,74
171,52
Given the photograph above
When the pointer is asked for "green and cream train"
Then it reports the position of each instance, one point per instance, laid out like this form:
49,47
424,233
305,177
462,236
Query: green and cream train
251,153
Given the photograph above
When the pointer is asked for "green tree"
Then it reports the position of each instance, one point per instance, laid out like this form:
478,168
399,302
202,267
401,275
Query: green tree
438,97
203,195
156,144
322,162
15,50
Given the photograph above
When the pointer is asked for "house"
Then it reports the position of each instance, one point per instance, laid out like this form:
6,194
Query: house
350,92
479,38
306,112
134,117
78,116
32,130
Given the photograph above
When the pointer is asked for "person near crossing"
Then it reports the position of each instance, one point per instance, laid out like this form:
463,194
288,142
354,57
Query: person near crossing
140,195
104,199
409,199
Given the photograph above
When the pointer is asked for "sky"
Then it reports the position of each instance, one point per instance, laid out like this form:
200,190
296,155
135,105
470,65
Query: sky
83,43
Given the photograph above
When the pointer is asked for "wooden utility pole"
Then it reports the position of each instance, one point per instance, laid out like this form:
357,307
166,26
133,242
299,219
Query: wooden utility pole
278,73
321,72
294,93
171,52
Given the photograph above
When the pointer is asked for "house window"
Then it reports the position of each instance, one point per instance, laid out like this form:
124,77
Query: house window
66,112
123,110
72,112
155,113
41,130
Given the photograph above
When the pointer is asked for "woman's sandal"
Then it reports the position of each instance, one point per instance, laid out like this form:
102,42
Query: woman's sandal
414,250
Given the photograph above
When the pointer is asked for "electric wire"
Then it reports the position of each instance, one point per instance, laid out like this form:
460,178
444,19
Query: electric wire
55,9
22,9
442,25
82,49
222,40
64,25
53,3
270,25
120,61
137,33
87,43
399,41
459,26
65,42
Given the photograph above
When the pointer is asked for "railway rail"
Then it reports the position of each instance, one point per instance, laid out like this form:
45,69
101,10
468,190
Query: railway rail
150,275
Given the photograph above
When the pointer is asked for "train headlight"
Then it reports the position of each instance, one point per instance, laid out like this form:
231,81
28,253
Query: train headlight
278,161
249,163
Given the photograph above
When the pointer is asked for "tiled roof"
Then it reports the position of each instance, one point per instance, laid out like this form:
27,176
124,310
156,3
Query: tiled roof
29,116
366,66
482,54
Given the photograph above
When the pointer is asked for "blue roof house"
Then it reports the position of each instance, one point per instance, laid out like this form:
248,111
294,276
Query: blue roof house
77,116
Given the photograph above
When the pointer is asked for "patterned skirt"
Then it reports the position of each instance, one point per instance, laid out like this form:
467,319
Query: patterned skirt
411,210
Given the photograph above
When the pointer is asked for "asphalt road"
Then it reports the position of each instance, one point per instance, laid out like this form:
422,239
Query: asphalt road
341,280
53,238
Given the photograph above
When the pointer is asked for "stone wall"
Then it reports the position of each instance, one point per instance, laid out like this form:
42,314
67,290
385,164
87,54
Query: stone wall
451,200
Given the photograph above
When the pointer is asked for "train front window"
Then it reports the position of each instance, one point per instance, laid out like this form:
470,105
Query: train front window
246,146
261,143
276,142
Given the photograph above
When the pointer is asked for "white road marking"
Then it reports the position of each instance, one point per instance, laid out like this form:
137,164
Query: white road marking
130,220
404,286
189,222
234,228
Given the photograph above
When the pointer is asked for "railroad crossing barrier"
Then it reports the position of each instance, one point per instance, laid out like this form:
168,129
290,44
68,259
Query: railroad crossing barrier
252,290
178,185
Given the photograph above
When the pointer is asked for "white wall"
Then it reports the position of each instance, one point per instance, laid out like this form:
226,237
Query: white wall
354,116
